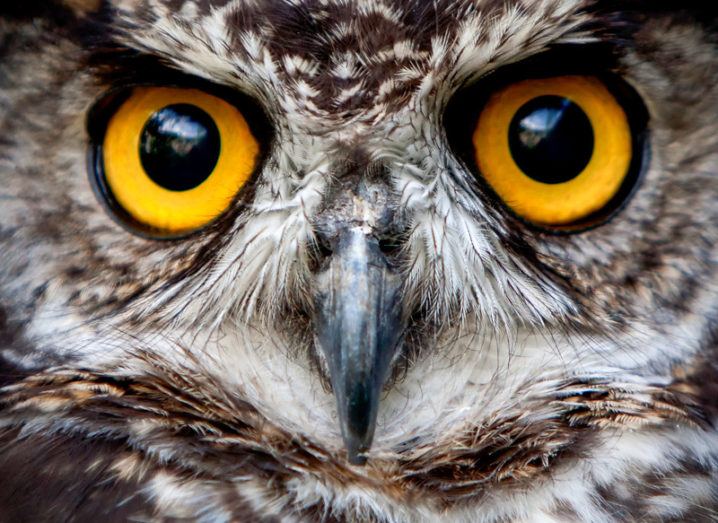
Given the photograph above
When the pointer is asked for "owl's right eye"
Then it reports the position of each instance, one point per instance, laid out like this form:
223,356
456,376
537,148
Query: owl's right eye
561,152
173,159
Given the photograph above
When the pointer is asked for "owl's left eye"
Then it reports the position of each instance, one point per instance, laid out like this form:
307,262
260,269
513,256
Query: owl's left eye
174,158
561,152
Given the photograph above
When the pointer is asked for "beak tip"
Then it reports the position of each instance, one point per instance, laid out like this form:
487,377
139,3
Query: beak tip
356,450
356,458
358,432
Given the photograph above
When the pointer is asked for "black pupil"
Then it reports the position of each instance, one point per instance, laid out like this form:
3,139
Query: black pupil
179,147
551,139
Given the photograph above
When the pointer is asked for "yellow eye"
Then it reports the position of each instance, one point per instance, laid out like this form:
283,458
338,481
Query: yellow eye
174,158
556,150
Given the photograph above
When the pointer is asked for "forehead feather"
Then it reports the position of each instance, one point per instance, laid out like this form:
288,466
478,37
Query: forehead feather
339,57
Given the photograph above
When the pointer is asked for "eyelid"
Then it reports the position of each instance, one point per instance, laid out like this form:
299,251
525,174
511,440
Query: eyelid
117,92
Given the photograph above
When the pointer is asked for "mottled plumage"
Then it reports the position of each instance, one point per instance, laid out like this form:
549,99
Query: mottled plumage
544,377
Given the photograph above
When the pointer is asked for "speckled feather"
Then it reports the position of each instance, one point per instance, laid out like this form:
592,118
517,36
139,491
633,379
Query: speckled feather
547,377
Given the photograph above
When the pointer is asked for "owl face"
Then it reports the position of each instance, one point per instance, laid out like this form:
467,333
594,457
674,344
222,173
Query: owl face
372,259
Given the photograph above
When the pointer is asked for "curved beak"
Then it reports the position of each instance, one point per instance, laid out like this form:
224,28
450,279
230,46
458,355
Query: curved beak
358,326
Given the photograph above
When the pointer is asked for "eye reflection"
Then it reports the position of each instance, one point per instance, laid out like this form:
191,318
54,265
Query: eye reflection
179,147
551,139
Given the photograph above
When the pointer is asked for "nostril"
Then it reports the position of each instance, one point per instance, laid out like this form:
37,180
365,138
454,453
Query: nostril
390,246
321,250
328,238
324,247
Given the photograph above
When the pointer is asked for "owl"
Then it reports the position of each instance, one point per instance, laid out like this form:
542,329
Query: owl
359,260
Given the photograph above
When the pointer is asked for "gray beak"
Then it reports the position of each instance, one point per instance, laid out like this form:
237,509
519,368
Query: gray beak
358,326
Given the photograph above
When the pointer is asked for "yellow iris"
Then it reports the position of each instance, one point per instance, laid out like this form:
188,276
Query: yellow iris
162,206
566,201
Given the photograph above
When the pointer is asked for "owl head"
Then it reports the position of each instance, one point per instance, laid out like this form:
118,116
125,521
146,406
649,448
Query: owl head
368,259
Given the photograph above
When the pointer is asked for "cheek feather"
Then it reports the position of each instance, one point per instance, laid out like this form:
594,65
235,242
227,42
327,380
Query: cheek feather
540,376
